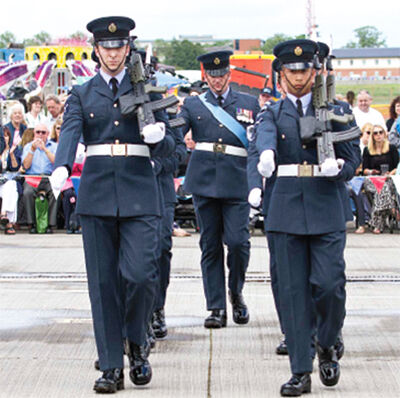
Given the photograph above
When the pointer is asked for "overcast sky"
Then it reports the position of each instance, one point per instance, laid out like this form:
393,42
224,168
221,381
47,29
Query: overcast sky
220,18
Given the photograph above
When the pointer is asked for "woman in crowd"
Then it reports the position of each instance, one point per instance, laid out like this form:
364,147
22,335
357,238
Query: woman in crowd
360,200
350,97
27,137
55,131
35,115
394,112
16,126
362,205
366,133
10,163
380,159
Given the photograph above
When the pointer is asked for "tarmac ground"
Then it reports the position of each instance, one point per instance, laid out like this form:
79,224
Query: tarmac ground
47,346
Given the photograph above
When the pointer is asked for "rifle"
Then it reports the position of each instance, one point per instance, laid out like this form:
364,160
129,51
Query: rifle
138,102
319,127
330,81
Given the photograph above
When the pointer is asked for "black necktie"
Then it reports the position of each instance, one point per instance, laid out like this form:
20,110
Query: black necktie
220,100
114,85
299,108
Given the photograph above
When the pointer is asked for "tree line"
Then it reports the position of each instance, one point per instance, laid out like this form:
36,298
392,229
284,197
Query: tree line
183,53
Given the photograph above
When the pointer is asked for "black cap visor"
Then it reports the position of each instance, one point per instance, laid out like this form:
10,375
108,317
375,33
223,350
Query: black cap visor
217,72
112,43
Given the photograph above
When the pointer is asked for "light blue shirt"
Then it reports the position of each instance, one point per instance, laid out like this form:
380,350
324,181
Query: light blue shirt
40,162
107,77
305,101
224,95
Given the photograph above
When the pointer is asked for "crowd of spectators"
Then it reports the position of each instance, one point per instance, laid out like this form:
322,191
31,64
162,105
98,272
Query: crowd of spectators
28,143
376,200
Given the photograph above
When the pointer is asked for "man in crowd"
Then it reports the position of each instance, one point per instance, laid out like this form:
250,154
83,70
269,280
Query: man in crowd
305,221
38,159
216,176
364,113
54,107
118,204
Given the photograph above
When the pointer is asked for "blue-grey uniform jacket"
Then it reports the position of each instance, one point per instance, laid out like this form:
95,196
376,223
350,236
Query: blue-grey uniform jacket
165,167
110,186
304,206
210,174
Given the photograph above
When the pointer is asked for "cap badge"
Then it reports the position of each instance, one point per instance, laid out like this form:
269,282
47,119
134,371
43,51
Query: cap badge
112,27
217,61
298,51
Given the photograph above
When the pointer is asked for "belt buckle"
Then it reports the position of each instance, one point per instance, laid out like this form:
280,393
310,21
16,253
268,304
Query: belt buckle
305,170
118,149
219,148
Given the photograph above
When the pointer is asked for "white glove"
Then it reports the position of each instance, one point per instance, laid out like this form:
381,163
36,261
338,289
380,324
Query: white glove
80,154
57,179
266,165
255,197
153,133
331,167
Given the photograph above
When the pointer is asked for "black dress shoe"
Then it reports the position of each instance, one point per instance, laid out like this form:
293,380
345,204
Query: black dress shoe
240,313
140,369
111,381
158,323
297,385
32,230
281,349
329,368
339,346
97,364
216,320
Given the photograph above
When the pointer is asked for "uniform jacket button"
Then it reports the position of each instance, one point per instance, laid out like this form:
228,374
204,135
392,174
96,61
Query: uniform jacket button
219,139
221,125
92,115
115,105
283,136
305,162
304,146
116,123
198,117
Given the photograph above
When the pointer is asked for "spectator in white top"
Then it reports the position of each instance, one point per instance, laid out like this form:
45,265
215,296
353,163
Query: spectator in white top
35,115
364,113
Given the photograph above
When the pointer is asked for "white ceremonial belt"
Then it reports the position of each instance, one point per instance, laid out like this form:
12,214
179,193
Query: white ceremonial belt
221,148
118,149
299,170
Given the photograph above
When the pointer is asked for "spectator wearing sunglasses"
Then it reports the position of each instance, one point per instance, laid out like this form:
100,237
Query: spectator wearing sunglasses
38,159
380,158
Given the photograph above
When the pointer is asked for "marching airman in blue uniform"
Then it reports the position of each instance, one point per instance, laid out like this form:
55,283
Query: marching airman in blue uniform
259,195
306,221
118,203
216,176
165,168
